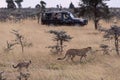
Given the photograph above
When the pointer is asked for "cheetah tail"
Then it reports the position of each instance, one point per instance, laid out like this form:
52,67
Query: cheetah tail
14,66
62,58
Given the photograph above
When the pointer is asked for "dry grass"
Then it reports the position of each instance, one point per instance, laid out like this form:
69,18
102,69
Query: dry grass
45,66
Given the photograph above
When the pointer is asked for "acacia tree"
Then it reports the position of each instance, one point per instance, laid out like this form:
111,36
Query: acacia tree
10,4
114,34
71,6
41,9
38,8
60,38
18,2
43,5
95,10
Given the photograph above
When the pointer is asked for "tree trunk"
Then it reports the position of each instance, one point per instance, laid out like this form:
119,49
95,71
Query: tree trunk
96,20
22,46
96,23
61,46
38,17
19,5
57,47
116,45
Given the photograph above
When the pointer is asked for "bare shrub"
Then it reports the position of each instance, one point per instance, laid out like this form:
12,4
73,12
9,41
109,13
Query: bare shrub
113,34
10,46
54,66
101,29
105,49
1,76
19,40
23,76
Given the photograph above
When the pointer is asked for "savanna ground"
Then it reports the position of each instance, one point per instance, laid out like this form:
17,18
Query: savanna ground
45,65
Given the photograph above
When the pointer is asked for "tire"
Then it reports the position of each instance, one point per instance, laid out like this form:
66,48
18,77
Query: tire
51,24
77,25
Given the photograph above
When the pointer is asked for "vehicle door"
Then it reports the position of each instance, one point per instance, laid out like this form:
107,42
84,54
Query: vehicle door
56,18
66,18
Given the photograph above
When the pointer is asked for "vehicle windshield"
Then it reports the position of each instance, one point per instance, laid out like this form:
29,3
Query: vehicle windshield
72,16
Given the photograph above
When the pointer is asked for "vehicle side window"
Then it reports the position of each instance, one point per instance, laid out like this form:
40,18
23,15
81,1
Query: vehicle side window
48,16
65,16
56,16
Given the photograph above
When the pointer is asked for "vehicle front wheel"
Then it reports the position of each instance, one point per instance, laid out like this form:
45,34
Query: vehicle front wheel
77,25
51,24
